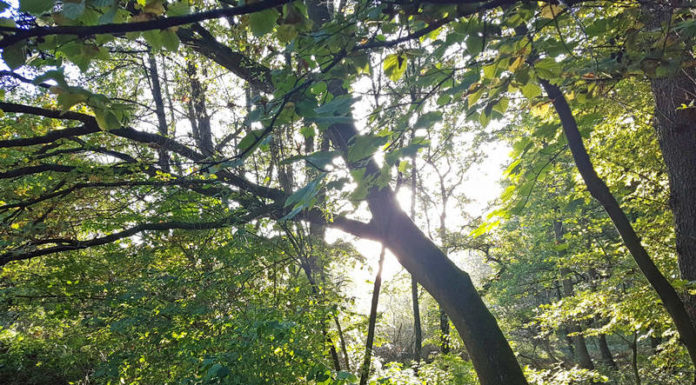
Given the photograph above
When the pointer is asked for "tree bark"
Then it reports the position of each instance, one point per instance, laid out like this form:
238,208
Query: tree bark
599,190
676,133
417,332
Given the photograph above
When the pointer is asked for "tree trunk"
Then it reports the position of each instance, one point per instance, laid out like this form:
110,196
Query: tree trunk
417,332
607,357
634,358
163,156
202,133
372,321
599,190
676,134
342,341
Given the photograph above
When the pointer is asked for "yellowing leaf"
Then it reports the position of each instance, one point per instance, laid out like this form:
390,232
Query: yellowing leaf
550,11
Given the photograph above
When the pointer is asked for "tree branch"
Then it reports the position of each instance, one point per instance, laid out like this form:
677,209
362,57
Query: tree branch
163,23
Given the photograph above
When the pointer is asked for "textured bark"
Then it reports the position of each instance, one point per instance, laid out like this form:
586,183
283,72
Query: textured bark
676,133
372,321
599,190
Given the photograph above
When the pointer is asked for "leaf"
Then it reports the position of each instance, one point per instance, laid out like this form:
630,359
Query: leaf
427,120
250,139
338,106
106,119
15,55
67,99
263,22
302,198
318,160
548,68
530,90
395,66
154,39
73,10
35,7
180,8
363,147
489,70
550,11
170,40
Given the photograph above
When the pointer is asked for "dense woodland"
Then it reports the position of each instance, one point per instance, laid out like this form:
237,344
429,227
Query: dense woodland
183,185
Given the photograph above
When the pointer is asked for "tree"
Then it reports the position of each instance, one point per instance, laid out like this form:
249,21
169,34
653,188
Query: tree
84,171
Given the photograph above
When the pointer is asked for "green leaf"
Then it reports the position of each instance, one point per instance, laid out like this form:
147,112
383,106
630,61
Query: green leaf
395,66
15,55
428,119
338,106
154,39
180,8
67,99
318,160
35,7
362,147
489,71
73,10
106,119
303,197
530,90
263,22
170,40
548,68
251,139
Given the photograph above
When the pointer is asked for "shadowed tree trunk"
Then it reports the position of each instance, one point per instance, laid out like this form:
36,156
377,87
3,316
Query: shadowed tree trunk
675,127
607,357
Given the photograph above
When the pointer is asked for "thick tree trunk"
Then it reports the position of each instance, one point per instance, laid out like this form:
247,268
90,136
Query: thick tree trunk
676,133
607,357
417,331
372,321
599,190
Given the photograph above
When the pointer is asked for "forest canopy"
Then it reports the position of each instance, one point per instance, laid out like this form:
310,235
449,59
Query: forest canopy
186,188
